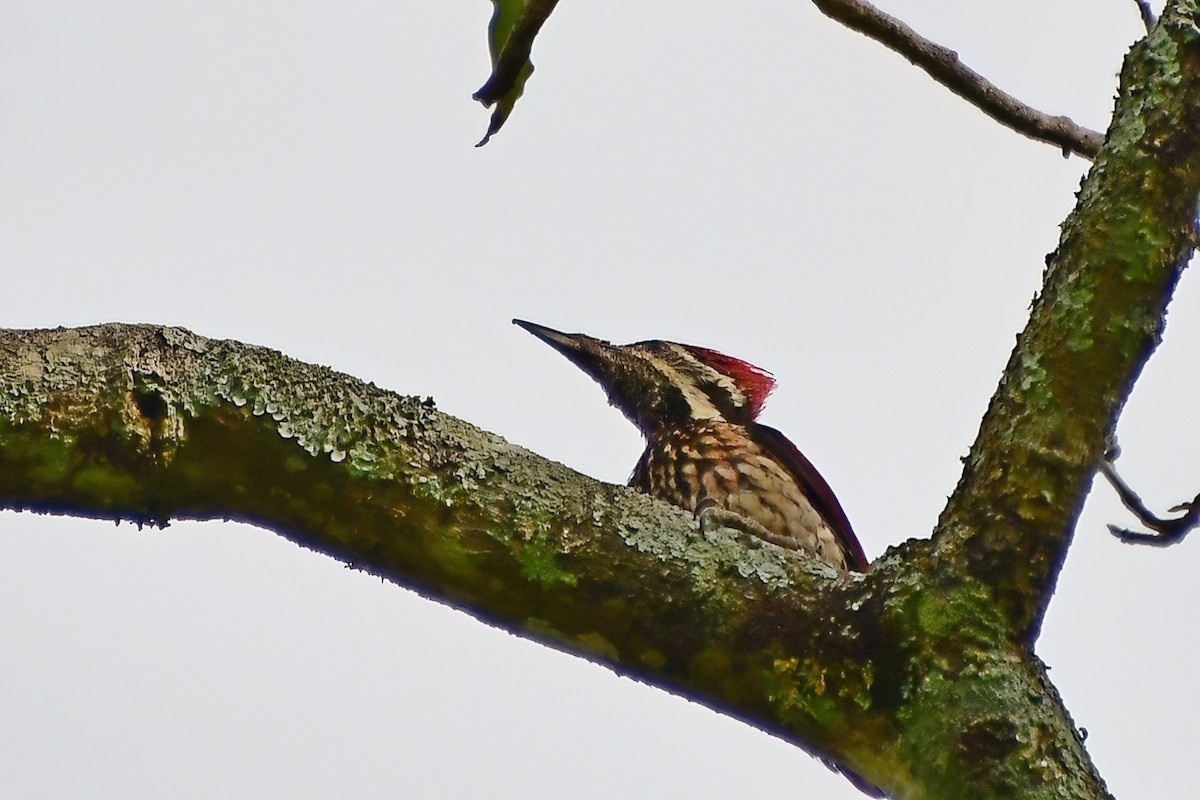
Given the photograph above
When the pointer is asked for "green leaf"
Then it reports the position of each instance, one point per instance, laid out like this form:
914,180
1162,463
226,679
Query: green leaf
514,25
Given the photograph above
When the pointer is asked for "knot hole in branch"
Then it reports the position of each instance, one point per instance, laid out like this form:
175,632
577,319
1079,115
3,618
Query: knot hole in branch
151,420
151,405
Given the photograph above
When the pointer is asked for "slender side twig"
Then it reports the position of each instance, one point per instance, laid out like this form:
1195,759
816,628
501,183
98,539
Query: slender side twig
944,66
1148,18
1166,531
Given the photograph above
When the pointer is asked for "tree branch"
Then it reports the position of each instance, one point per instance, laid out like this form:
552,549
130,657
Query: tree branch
943,65
906,675
1099,316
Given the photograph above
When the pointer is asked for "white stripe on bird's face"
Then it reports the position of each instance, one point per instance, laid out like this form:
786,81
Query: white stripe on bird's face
696,380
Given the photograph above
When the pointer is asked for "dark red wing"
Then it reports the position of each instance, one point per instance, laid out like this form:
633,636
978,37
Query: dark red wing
819,493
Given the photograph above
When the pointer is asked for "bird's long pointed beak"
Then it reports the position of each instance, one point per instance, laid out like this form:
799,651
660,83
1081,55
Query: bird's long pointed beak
566,343
593,356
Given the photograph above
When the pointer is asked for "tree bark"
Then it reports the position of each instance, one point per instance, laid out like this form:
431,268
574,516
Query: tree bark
884,673
920,675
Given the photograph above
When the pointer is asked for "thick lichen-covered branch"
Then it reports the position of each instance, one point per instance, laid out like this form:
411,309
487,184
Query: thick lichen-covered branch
1099,316
907,675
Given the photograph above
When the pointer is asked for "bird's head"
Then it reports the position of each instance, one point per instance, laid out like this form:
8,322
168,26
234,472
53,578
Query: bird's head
659,384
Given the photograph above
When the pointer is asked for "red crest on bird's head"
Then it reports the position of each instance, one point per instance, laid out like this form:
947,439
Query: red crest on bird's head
753,381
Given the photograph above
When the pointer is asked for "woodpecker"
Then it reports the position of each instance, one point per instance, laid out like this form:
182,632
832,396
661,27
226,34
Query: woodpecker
705,451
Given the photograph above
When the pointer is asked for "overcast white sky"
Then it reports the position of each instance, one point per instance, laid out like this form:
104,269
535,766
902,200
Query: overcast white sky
748,177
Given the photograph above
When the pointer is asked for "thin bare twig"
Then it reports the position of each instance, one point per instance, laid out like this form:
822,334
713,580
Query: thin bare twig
1148,18
943,66
1166,531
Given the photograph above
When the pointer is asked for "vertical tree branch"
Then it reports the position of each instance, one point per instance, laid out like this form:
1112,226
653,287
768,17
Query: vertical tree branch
1099,317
